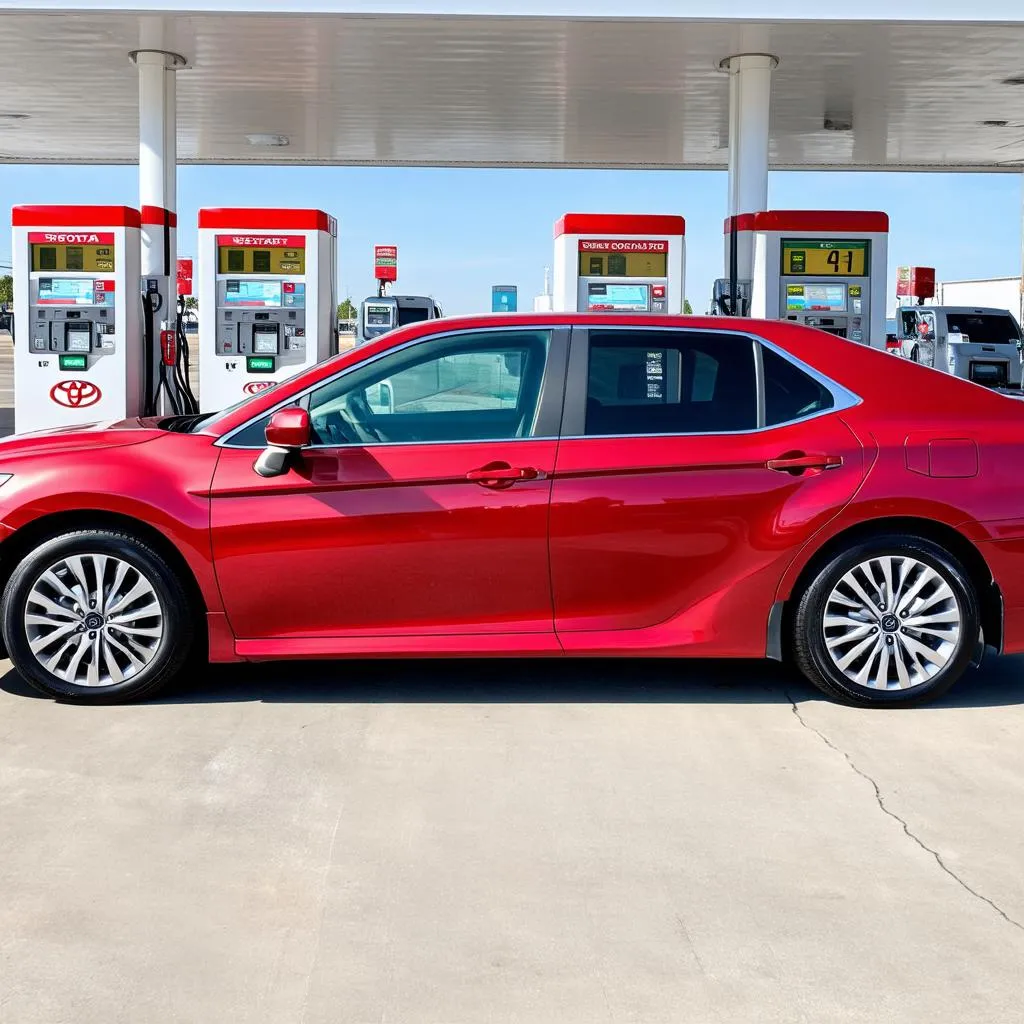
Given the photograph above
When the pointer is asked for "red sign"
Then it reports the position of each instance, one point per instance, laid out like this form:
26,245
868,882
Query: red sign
184,277
75,394
264,241
385,262
915,282
623,245
71,237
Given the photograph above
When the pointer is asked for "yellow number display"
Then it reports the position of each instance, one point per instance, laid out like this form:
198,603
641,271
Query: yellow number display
824,258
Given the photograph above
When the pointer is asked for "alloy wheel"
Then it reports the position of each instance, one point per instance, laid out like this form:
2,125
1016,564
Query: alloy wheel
93,620
892,623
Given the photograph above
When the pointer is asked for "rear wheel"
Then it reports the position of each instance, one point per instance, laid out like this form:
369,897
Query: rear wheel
891,621
96,617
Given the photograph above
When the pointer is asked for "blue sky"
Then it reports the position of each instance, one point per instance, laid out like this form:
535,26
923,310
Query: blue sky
460,231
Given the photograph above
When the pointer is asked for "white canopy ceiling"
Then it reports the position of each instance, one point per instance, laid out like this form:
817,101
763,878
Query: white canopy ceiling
453,85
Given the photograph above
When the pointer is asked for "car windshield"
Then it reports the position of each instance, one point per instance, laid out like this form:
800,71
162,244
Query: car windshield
198,423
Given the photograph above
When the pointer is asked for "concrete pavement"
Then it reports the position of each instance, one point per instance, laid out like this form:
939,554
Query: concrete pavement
512,842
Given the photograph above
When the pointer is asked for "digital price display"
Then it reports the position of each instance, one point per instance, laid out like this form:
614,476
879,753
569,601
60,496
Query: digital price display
261,254
73,362
252,293
816,298
619,297
60,256
623,264
822,257
67,291
378,316
260,364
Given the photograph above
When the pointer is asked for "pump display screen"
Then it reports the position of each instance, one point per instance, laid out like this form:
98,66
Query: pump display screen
616,297
816,298
623,264
261,254
252,293
378,316
819,257
67,291
60,255
264,342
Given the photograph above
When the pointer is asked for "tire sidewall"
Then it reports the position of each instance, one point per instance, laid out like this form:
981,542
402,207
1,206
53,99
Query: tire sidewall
176,637
934,557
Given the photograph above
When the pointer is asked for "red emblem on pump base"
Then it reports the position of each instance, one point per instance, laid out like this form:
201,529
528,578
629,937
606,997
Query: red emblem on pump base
75,394
254,387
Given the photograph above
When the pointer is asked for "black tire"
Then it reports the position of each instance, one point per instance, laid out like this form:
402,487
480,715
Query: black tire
171,650
809,631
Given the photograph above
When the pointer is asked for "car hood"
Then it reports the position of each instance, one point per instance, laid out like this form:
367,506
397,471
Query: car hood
107,434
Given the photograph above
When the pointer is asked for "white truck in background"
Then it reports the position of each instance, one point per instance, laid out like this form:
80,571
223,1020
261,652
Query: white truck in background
992,292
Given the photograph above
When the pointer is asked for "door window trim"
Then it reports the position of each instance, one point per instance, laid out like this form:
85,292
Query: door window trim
550,399
574,413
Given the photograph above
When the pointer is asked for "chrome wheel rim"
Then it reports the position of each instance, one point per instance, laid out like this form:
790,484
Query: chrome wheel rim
93,620
892,623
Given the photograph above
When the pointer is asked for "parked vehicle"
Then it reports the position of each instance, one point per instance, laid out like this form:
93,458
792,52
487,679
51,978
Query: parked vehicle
533,485
977,343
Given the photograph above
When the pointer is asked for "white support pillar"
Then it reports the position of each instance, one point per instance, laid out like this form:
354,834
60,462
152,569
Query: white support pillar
750,79
157,200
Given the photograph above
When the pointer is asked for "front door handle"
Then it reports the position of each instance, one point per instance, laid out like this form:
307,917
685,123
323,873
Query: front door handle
796,462
501,474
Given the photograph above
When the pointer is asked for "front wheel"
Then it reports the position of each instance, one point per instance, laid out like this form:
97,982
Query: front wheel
96,617
891,621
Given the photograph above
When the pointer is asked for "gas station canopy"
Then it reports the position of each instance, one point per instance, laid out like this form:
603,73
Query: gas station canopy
562,84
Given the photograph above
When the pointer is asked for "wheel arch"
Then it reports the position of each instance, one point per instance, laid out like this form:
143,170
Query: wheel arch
990,601
26,537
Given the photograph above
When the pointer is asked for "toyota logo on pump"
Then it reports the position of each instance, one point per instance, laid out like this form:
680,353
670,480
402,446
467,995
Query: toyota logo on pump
75,394
254,387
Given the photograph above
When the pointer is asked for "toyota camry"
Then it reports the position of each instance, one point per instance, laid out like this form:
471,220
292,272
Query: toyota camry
533,486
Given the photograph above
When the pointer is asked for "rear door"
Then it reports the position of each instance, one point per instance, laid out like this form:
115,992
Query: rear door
693,466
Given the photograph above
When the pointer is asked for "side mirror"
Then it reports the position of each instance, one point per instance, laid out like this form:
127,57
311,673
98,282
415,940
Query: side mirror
287,432
289,428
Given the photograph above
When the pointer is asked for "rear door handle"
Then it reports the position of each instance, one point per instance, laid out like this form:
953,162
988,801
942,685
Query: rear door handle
501,474
797,462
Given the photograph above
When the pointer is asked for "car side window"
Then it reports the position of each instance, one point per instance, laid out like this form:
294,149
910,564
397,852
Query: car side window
471,387
670,382
789,393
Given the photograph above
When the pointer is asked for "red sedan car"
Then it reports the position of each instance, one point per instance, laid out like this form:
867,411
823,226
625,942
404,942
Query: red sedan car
549,485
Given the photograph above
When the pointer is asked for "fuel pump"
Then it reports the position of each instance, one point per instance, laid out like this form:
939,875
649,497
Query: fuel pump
612,263
822,268
379,314
78,351
267,298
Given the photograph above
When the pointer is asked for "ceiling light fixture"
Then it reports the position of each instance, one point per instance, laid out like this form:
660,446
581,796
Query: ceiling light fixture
267,139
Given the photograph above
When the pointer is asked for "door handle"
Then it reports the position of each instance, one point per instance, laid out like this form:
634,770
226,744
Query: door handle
501,474
796,462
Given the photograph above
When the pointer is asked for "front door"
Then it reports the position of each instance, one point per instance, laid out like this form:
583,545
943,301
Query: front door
420,509
684,487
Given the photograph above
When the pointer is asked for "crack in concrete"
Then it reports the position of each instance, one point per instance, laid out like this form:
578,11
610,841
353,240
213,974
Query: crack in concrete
880,800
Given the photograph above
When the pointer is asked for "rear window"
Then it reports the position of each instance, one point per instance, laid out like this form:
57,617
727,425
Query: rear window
984,328
670,382
789,393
